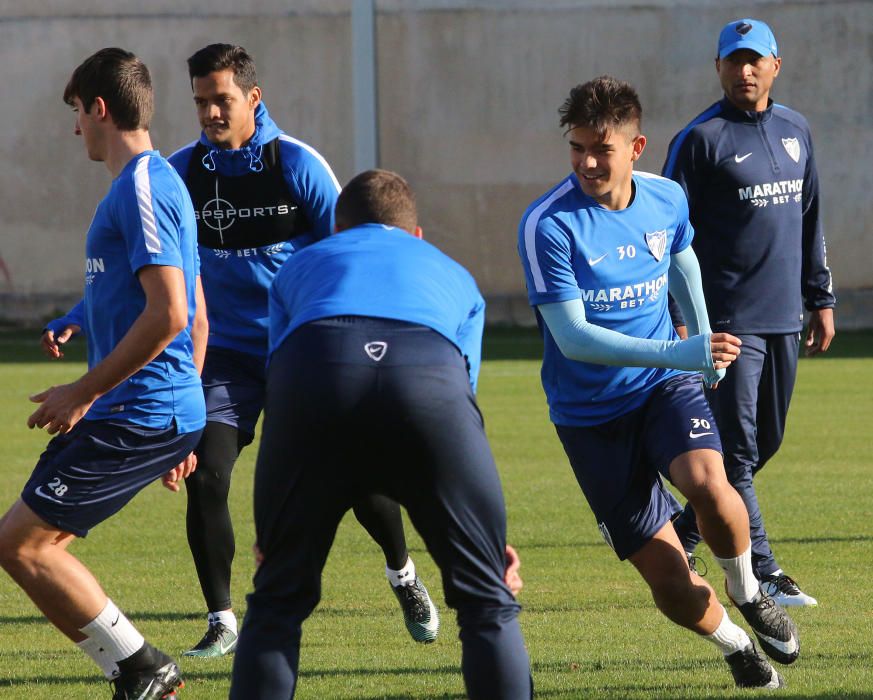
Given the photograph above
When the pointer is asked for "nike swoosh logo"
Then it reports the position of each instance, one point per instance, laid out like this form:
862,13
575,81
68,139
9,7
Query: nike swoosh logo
694,435
593,261
116,620
789,647
740,159
42,494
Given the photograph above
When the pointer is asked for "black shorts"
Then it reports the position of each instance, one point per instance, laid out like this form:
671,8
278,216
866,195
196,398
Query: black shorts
617,463
90,473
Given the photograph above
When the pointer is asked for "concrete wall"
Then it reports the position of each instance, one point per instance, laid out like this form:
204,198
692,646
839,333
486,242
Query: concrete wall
468,98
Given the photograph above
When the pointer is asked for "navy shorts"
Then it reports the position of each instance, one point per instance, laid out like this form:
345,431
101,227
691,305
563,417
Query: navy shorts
233,384
618,463
90,473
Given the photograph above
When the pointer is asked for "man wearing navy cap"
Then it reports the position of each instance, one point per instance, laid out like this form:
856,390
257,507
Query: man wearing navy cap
747,167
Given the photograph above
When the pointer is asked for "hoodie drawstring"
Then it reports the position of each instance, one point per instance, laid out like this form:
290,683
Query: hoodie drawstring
208,162
256,165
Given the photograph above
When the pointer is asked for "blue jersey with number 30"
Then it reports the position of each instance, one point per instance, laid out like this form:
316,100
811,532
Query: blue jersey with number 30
617,261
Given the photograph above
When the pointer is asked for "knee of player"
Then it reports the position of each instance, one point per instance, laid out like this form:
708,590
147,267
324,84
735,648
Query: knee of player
16,555
701,477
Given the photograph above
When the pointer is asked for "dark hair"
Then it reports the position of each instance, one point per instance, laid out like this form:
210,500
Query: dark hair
221,57
377,197
601,104
121,80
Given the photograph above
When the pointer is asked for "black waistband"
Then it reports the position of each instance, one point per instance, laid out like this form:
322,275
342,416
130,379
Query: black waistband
369,322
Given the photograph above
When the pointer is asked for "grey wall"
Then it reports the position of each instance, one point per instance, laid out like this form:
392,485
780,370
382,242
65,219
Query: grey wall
468,98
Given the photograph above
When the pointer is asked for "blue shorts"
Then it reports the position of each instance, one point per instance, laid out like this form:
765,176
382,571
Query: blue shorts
617,463
90,473
233,384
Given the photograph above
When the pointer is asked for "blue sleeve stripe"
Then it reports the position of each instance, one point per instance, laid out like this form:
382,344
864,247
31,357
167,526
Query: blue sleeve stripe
306,147
677,142
530,232
143,187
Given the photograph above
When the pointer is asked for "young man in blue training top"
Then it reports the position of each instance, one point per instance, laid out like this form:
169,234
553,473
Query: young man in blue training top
747,168
259,195
138,412
375,340
599,251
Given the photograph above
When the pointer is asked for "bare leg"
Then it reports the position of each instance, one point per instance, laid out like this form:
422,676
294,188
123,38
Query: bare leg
679,593
721,513
35,555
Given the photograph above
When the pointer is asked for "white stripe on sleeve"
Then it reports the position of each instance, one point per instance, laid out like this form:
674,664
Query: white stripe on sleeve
530,231
310,149
143,186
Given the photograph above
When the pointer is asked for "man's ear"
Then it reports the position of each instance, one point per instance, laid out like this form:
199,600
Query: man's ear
254,97
99,109
639,146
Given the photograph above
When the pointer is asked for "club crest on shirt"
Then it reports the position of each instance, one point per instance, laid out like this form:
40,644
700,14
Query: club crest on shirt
792,148
376,349
657,242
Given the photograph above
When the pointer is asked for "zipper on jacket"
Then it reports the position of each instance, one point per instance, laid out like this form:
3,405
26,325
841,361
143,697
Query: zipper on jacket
762,132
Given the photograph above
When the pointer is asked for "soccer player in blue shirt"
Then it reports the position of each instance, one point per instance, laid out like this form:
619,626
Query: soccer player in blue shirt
375,340
748,170
137,413
259,195
600,251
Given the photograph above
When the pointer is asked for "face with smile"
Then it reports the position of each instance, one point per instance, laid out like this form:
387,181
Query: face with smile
747,77
225,112
603,163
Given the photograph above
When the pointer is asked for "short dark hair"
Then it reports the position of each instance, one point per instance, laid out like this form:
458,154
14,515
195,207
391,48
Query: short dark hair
601,104
221,57
123,82
377,197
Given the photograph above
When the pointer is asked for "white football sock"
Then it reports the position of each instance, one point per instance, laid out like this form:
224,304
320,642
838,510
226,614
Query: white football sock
742,586
728,637
100,657
225,617
400,577
114,633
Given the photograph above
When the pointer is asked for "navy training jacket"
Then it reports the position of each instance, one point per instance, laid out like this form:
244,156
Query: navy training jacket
753,195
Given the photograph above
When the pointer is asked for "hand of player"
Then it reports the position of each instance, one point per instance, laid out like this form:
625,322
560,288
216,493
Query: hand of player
51,344
820,332
511,576
725,349
61,407
259,555
180,472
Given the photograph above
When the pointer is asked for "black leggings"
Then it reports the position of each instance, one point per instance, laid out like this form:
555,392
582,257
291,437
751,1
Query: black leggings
210,530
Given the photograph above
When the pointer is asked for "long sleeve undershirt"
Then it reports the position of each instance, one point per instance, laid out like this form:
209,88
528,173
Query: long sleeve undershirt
580,340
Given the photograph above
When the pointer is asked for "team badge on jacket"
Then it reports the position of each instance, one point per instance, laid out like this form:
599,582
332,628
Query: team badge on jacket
792,147
657,242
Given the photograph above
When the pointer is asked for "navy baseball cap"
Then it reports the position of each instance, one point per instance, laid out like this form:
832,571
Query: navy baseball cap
746,34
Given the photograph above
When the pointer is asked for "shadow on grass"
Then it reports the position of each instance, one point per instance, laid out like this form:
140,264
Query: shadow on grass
133,615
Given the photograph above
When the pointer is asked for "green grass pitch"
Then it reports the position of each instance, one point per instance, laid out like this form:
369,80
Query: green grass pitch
590,625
